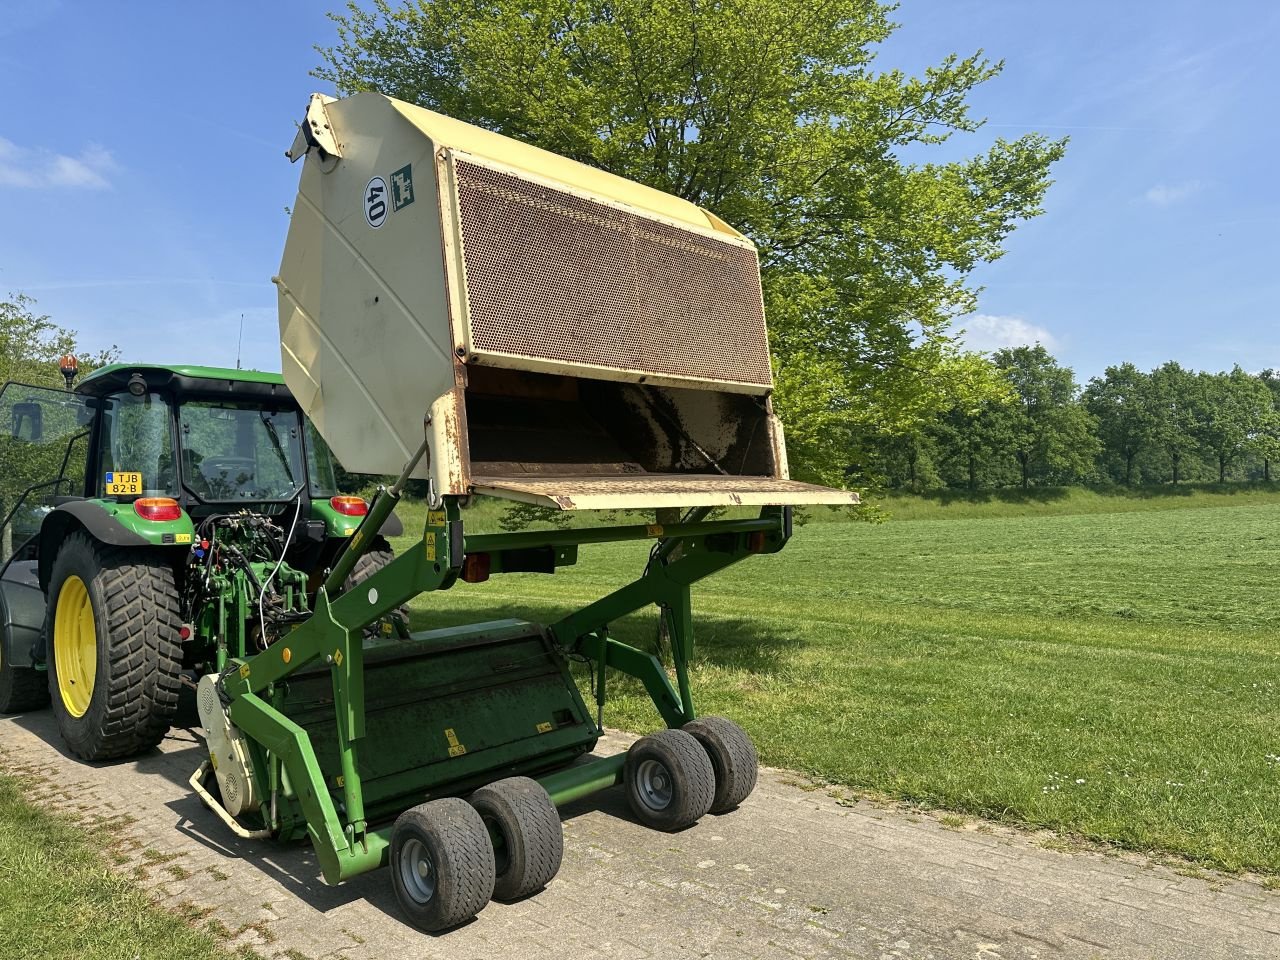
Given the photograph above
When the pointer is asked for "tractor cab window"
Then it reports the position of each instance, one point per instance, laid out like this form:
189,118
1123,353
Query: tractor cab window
324,482
235,452
137,438
42,449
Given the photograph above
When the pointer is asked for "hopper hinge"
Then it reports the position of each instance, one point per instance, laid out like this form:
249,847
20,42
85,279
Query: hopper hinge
315,132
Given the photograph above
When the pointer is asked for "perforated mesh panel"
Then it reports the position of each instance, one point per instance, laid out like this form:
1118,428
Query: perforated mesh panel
553,276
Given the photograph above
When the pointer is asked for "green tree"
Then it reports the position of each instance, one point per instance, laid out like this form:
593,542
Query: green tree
1173,405
1120,400
30,347
1266,444
771,114
968,437
1232,410
1047,429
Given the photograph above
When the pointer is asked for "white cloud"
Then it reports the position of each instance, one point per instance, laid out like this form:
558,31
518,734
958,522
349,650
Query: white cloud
985,331
38,168
1164,195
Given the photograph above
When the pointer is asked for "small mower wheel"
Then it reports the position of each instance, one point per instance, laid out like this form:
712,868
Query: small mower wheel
528,838
669,780
732,755
441,863
21,688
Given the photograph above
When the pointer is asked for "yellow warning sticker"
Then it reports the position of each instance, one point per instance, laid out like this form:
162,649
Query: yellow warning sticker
355,540
337,657
244,671
340,780
545,728
430,541
455,748
435,518
182,538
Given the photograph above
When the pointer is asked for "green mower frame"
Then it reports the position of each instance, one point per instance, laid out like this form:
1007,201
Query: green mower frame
323,787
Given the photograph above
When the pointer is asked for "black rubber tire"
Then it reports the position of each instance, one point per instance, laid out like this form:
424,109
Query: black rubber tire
21,688
520,812
139,655
454,838
733,757
686,774
371,561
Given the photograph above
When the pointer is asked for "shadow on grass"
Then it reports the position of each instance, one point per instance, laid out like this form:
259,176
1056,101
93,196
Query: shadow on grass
734,643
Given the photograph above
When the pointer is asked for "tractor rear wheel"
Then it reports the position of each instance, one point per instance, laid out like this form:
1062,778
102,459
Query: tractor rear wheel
115,656
371,561
21,688
669,780
528,839
442,863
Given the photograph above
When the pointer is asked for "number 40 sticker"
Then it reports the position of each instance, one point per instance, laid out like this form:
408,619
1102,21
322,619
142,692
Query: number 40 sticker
375,202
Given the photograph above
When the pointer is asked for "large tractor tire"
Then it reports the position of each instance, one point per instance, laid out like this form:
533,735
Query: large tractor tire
114,651
371,561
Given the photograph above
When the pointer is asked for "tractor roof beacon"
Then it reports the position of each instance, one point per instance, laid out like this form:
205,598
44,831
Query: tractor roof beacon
490,318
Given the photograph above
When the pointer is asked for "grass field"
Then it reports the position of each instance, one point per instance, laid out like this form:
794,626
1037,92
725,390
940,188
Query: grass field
1109,674
59,900
1102,663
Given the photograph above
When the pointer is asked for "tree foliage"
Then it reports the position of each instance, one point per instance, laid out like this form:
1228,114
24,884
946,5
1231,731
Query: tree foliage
772,114
1050,435
31,344
30,347
1120,402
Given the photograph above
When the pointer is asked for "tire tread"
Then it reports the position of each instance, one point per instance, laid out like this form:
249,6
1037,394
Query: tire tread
144,654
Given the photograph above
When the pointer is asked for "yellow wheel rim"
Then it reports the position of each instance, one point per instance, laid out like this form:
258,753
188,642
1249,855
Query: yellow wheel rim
75,646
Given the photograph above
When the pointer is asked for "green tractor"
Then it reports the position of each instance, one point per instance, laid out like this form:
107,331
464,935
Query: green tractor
157,521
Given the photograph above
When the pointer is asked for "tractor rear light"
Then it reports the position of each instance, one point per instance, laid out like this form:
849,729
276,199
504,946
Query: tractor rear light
157,508
184,632
476,567
349,506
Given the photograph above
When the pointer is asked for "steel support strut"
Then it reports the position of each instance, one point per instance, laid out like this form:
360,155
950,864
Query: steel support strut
335,812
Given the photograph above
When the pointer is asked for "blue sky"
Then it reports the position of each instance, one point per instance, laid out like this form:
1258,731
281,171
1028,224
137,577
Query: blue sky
143,184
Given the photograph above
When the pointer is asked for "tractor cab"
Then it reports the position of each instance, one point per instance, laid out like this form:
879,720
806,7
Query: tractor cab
187,468
213,440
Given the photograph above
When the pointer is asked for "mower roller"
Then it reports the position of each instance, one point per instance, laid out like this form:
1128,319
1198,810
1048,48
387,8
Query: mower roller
462,309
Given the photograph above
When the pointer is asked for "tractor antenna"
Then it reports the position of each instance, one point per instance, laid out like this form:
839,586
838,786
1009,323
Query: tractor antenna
240,341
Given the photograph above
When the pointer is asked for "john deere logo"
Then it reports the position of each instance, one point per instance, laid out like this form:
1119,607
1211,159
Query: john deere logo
402,187
375,202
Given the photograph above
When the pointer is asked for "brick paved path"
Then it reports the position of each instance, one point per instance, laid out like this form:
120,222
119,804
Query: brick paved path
794,873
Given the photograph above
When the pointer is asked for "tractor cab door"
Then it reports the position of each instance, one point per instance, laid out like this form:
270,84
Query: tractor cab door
43,441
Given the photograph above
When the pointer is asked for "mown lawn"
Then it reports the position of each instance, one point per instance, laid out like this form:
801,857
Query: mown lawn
59,900
1113,675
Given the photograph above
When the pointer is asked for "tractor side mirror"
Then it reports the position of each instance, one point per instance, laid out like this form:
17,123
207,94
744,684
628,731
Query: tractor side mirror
28,422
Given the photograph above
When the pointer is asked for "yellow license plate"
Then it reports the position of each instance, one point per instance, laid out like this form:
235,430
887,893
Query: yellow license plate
124,484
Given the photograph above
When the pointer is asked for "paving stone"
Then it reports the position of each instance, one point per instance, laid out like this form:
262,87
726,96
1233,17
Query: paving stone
793,873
